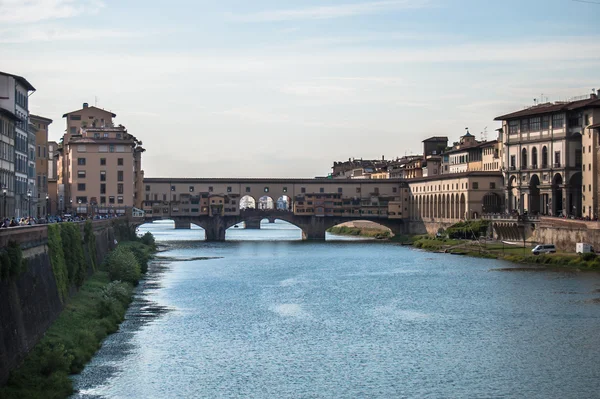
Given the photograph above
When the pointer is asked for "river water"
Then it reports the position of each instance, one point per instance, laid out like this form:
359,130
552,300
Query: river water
265,315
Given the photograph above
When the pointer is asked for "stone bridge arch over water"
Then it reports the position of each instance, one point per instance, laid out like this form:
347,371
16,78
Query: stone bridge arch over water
313,227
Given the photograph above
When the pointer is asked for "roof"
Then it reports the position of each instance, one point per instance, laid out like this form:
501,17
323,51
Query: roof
81,109
592,102
468,134
594,126
9,114
41,118
20,79
436,138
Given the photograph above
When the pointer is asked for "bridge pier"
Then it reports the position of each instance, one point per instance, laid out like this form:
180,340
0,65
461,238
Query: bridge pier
315,229
252,224
215,228
180,224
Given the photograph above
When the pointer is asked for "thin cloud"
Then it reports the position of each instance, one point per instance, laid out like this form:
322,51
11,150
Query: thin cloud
28,11
32,35
331,12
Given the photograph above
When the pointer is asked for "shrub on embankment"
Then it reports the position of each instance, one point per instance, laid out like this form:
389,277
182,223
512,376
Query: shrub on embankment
87,318
12,262
362,232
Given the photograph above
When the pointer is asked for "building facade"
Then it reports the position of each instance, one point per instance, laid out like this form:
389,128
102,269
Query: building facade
7,162
101,172
14,97
544,160
42,160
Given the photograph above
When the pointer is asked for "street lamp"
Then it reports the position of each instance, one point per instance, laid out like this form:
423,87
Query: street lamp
78,206
4,191
29,201
47,205
71,205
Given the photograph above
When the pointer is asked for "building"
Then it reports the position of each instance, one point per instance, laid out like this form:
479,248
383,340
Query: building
454,197
14,98
545,167
42,160
100,177
7,162
75,120
53,205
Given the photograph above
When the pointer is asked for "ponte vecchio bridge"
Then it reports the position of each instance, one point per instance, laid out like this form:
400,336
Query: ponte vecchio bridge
313,205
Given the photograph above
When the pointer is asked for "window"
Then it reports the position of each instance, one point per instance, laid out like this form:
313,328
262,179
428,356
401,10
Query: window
119,175
173,188
395,190
164,197
102,161
102,188
147,188
524,125
111,148
578,158
120,188
80,186
587,119
545,122
475,185
303,190
557,159
210,189
535,124
81,174
120,161
558,121
513,127
75,117
339,190
492,185
544,157
321,190
111,200
81,161
80,148
102,175
191,189
357,190
103,200
266,189
247,189
82,200
228,189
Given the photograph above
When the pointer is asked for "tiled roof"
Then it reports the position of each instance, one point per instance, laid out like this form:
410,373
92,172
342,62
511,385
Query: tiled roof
592,102
81,109
21,80
436,138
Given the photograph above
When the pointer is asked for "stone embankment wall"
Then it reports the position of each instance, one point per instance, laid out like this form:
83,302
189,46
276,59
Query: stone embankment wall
30,302
426,227
566,233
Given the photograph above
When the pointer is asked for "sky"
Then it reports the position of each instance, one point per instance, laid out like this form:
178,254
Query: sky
265,88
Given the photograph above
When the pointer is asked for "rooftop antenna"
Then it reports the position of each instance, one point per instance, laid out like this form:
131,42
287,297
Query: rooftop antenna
484,134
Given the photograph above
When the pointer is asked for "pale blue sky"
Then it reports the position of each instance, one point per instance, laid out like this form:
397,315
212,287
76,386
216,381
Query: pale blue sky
284,88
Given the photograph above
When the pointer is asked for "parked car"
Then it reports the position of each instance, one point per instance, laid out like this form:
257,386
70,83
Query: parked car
544,249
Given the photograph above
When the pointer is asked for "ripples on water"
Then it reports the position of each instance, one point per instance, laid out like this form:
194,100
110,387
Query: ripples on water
346,319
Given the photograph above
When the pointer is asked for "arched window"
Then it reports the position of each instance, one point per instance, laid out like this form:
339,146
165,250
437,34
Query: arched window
524,158
534,157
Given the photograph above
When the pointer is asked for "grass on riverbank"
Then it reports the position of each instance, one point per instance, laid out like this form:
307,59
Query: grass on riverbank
516,254
87,318
362,232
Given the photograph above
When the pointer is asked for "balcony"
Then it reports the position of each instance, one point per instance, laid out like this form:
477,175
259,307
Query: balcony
556,165
533,166
512,167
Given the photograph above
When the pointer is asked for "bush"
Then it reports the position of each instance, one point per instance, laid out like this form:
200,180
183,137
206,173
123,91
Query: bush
73,252
90,240
15,256
588,256
122,265
148,239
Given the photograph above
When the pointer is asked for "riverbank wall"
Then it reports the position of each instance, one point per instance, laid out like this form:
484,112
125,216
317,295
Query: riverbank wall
566,233
30,301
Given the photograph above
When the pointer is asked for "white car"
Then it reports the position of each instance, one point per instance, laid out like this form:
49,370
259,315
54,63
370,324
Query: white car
544,249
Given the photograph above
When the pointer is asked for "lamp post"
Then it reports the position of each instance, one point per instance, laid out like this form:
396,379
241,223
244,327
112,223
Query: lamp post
4,191
47,205
71,205
29,202
78,206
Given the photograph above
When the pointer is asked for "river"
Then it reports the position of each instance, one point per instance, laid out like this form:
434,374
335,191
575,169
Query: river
265,315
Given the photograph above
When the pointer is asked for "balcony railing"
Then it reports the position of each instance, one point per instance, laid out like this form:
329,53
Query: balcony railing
512,167
557,164
533,166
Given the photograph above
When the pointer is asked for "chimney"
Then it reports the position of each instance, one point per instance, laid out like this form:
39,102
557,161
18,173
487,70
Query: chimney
85,105
383,157
594,95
